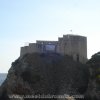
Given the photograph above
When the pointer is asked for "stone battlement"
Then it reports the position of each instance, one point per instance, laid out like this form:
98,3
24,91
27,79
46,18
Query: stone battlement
72,45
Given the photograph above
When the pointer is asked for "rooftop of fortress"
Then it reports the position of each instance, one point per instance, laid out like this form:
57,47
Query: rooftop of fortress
72,45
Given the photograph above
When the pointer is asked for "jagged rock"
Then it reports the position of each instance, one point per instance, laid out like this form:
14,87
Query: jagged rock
38,74
93,91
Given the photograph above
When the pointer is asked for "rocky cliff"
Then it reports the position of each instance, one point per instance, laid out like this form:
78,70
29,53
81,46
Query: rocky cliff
93,91
45,74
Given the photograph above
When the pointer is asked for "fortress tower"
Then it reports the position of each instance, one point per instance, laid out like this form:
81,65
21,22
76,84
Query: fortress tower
72,45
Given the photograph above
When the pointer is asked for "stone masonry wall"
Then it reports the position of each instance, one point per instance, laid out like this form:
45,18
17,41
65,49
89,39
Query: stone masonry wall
72,45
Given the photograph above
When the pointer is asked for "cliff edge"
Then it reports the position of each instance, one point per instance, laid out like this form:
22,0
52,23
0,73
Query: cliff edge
45,74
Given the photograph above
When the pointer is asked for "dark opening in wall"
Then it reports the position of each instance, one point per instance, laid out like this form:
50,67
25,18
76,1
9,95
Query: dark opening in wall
50,47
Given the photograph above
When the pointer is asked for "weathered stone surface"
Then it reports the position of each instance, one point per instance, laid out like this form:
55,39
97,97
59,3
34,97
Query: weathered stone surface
72,45
37,74
93,91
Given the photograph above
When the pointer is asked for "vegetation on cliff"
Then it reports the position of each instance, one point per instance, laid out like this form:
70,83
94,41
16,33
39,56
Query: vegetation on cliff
93,91
37,74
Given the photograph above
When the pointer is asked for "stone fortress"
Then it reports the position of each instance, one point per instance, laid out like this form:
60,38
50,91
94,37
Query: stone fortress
72,45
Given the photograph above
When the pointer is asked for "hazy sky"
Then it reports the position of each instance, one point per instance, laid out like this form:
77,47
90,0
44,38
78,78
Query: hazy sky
24,21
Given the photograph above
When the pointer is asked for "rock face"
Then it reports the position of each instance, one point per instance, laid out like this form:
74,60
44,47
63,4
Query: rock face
43,74
93,91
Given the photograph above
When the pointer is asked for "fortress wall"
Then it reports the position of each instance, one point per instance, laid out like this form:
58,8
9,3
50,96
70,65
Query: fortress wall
33,47
79,47
75,46
83,49
45,43
67,45
72,45
24,50
75,41
60,47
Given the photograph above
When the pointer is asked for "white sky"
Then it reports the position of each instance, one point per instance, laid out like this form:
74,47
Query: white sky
24,21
